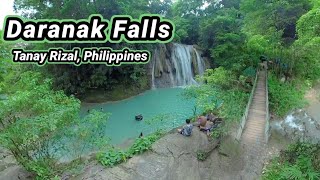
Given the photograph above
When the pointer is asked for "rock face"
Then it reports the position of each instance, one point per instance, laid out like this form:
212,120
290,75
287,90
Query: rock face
9,168
298,126
176,65
172,157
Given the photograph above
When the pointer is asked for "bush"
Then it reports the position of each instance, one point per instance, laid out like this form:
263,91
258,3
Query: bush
202,156
283,97
221,94
144,143
234,104
113,157
218,132
299,161
36,124
220,77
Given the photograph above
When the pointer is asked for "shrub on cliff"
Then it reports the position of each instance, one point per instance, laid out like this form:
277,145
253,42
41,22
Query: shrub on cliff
39,125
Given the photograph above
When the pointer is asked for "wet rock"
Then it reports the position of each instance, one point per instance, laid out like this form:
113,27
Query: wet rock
298,126
195,65
15,173
9,168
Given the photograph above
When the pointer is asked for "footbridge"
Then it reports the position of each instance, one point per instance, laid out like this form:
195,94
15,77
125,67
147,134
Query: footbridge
254,125
253,132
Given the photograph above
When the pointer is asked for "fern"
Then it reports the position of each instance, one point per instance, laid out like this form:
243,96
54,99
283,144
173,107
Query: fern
292,172
298,162
312,175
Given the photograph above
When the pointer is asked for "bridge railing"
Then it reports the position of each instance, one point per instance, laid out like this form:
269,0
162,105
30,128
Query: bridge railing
267,128
246,112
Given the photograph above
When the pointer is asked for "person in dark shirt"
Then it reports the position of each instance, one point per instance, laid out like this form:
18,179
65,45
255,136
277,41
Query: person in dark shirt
187,129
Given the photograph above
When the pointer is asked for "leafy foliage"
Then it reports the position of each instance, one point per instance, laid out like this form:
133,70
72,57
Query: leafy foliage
299,161
223,94
284,96
79,80
233,33
220,77
287,33
307,45
218,132
33,122
144,143
113,157
202,156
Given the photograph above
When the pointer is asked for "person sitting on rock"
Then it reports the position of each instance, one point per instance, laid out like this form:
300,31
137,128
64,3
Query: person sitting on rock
187,129
206,124
202,121
208,127
211,117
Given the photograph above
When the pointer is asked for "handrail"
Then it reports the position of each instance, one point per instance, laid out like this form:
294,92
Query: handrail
246,112
267,128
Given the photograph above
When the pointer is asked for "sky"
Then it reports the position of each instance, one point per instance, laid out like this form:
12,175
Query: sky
6,8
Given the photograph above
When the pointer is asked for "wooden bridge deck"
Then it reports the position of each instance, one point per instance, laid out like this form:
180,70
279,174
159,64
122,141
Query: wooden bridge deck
254,131
253,138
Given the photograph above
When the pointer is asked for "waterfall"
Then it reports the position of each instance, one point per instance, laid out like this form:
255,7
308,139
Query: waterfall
176,65
201,63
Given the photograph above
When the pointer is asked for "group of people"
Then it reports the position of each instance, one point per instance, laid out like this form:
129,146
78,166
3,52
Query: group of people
205,123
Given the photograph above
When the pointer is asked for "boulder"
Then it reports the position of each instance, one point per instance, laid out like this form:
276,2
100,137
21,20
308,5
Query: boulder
172,157
298,126
15,172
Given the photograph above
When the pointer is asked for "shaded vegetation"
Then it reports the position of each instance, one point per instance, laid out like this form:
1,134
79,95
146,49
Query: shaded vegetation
33,121
284,97
299,161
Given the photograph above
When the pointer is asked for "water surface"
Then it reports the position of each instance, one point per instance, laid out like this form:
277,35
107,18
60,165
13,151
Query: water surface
161,109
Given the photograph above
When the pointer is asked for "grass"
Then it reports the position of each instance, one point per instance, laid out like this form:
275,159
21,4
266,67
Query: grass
285,96
300,161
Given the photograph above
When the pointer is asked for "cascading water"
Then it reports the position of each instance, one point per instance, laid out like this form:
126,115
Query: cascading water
176,65
201,64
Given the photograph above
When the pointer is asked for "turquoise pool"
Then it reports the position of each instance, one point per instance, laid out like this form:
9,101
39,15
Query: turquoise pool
161,109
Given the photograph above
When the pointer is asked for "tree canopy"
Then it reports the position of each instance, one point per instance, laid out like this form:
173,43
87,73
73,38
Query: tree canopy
233,34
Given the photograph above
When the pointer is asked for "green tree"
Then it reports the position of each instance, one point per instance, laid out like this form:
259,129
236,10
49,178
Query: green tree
37,123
